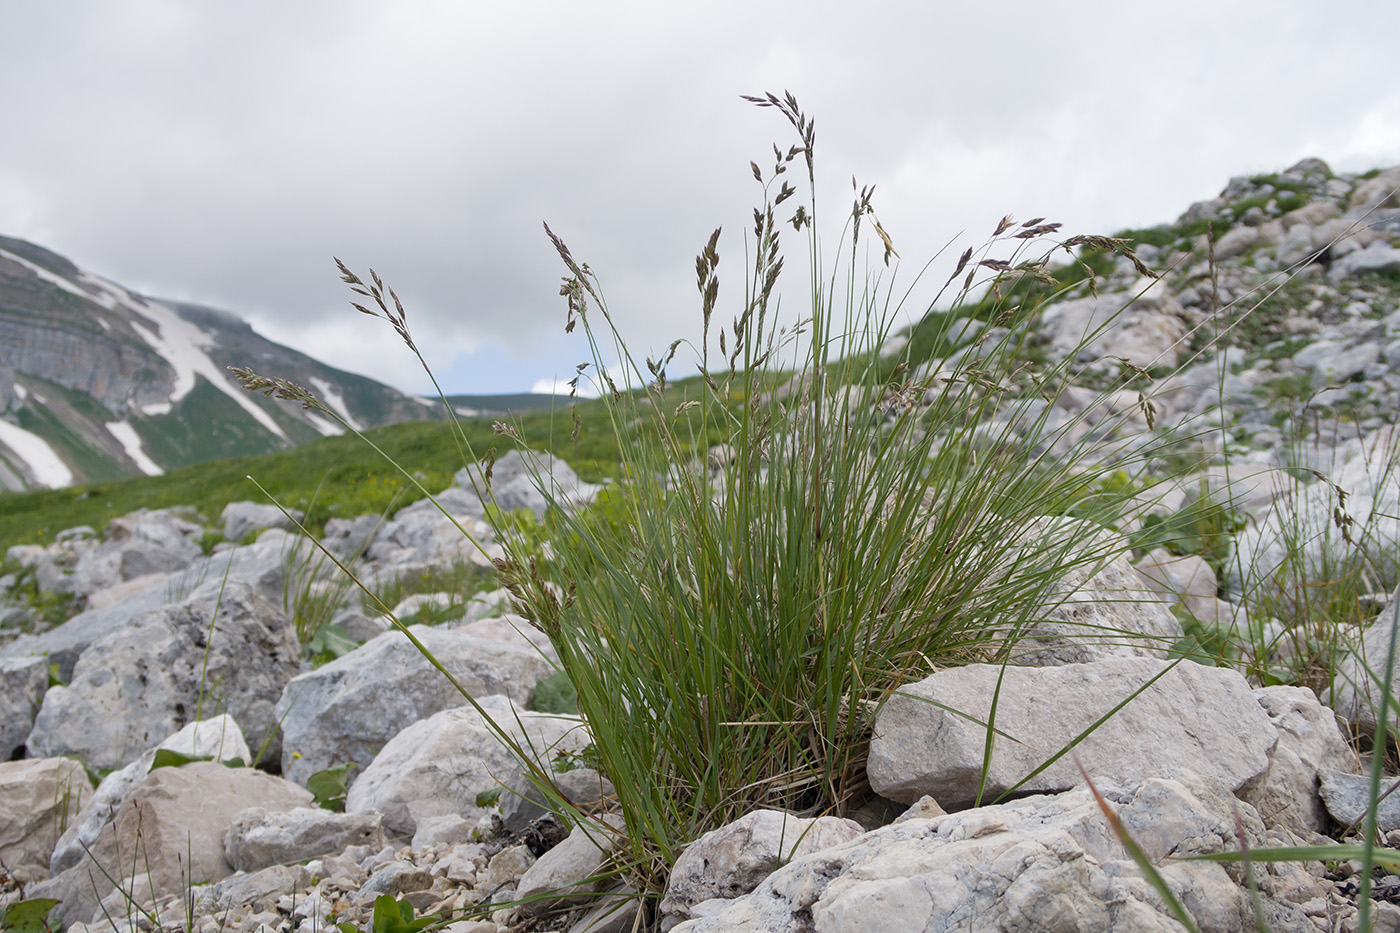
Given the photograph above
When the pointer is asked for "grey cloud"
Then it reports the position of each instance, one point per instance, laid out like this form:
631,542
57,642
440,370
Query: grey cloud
224,153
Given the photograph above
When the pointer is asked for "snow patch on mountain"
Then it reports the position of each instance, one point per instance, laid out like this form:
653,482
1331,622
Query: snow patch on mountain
47,276
336,402
38,456
182,344
131,442
328,428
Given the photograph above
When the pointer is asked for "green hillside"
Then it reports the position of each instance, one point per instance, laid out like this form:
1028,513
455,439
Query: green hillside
509,402
335,476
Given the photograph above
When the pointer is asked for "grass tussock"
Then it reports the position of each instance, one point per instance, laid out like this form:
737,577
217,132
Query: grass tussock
807,525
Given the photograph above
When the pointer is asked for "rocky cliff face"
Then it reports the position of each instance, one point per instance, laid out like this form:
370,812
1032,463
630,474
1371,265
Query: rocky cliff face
98,382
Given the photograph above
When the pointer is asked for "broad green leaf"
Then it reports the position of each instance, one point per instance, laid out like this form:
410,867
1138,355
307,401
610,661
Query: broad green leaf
31,916
165,758
328,786
330,642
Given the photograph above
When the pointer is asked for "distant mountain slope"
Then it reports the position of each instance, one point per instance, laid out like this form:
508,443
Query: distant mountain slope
98,382
504,404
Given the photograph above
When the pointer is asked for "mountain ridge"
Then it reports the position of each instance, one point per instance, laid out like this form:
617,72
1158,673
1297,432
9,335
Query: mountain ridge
99,382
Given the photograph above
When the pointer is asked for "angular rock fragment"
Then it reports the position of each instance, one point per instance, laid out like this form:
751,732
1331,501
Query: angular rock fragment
172,825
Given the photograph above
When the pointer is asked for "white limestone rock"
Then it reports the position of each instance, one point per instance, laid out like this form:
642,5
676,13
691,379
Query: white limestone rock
349,709
135,545
437,766
1304,513
259,837
1204,719
225,649
1309,742
172,825
1098,609
218,738
566,869
1041,863
516,482
240,519
731,861
22,685
38,796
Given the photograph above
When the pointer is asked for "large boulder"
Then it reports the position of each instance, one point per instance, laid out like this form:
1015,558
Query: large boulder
348,709
510,629
38,796
172,825
218,738
225,649
438,766
1204,719
1038,864
22,685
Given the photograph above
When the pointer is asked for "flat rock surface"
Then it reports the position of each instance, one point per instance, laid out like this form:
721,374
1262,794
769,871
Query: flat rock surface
1204,719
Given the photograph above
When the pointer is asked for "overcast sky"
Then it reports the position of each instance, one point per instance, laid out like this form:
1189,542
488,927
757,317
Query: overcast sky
225,152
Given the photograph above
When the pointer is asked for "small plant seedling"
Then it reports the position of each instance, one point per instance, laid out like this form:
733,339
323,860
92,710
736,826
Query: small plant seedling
328,786
391,916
